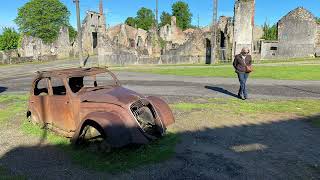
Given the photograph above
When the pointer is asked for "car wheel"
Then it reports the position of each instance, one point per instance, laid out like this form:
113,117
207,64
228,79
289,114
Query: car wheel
93,139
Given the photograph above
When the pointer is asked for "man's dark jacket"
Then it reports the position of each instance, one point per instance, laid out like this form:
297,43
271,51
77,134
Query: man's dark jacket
239,65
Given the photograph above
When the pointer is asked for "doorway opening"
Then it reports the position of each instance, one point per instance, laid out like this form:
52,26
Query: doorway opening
94,40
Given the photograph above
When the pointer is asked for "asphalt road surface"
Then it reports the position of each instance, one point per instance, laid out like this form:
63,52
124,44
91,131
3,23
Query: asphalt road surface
18,78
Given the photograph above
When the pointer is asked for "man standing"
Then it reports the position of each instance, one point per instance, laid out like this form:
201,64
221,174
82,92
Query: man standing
242,64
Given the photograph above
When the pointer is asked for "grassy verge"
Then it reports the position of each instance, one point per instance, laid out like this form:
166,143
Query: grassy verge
284,72
11,106
14,106
304,107
220,108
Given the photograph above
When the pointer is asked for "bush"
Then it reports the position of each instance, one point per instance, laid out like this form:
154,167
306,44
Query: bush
9,39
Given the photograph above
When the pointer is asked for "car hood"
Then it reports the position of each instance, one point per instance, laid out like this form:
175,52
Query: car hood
117,95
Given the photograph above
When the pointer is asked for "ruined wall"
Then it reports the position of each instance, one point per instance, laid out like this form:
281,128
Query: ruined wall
297,34
37,49
93,26
269,50
225,38
318,41
243,25
172,33
126,36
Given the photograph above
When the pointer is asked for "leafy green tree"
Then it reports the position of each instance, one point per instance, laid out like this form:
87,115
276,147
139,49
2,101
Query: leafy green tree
145,18
43,19
131,21
181,10
270,32
72,33
9,39
165,18
318,20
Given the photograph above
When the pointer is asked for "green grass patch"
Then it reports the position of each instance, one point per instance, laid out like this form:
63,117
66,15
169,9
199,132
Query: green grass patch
12,106
117,161
305,107
284,72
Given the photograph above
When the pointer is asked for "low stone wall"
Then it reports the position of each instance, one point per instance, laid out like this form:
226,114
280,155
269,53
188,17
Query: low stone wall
12,58
130,59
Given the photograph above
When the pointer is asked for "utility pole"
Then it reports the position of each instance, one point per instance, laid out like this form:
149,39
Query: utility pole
79,33
214,32
198,21
157,14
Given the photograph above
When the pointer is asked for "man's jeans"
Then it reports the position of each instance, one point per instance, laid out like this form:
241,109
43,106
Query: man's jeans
243,80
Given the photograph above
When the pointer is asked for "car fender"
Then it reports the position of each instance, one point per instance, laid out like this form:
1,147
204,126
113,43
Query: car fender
116,131
163,110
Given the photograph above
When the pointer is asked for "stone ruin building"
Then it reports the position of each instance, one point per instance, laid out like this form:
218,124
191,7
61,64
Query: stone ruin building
298,36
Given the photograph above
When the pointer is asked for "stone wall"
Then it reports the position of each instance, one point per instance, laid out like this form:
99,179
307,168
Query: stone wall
35,48
269,49
318,41
128,36
297,34
243,25
93,26
172,33
131,59
13,57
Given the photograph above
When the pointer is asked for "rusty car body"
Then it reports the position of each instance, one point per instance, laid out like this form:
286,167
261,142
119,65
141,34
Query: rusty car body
75,104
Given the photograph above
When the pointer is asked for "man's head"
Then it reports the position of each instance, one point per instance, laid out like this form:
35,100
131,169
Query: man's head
245,51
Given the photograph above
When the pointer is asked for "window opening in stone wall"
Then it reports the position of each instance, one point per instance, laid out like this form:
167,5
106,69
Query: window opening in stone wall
273,48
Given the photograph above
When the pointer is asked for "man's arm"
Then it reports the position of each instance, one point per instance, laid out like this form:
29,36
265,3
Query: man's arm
235,62
250,60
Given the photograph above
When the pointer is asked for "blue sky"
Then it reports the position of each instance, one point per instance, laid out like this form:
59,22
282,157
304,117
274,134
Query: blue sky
118,10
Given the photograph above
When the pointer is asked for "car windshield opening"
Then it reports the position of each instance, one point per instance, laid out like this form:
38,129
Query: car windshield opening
87,82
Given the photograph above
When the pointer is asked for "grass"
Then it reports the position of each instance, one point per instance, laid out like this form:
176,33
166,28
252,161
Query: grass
11,107
14,106
118,160
306,107
283,72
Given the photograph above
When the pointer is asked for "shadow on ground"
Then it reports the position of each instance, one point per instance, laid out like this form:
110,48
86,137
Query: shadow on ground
284,149
221,90
3,89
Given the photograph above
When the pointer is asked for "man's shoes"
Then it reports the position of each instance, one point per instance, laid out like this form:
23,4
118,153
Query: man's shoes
240,96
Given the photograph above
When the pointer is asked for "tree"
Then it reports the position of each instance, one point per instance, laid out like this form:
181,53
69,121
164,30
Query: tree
42,19
165,18
145,18
270,32
72,33
9,39
182,12
131,21
318,20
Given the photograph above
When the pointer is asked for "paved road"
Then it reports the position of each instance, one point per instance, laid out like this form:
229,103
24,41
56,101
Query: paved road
18,78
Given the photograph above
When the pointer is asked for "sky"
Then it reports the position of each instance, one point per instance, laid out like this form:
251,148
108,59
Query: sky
118,10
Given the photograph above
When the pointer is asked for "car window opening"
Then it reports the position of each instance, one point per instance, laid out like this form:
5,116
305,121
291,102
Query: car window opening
41,88
58,87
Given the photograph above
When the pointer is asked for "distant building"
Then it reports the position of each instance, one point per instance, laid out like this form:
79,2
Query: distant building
298,36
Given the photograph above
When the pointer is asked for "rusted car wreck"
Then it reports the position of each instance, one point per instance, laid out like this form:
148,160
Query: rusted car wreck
91,105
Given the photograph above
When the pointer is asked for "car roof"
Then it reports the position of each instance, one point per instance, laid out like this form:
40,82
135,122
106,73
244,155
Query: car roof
72,72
